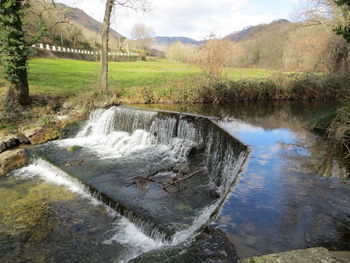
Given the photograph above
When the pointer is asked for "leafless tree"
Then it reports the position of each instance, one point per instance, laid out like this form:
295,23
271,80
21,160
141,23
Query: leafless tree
212,57
141,5
143,36
329,15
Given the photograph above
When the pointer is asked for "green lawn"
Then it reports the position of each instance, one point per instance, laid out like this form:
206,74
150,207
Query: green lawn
65,76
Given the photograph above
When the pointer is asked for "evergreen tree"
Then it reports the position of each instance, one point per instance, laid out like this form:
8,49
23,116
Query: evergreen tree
14,51
345,29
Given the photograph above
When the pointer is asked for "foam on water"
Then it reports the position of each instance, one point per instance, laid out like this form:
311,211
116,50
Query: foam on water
113,145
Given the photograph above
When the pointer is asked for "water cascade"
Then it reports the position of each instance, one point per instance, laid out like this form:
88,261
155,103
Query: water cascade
165,172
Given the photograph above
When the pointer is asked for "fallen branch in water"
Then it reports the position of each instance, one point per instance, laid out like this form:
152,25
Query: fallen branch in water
144,180
182,179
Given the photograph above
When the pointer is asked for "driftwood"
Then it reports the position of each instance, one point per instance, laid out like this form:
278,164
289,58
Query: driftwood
143,180
182,179
146,179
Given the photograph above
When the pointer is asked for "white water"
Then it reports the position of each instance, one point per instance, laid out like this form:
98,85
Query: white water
103,136
124,232
115,133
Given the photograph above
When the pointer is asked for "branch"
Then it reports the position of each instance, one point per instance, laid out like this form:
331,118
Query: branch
136,5
183,179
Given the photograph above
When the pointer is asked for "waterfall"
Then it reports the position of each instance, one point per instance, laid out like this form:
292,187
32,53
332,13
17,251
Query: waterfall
122,132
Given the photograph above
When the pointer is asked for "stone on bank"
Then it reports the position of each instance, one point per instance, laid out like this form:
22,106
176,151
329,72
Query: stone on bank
12,159
310,255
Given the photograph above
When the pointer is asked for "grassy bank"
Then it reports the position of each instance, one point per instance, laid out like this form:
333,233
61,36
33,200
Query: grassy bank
69,77
72,84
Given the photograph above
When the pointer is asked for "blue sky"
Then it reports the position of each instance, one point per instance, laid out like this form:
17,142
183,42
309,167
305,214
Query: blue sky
192,18
278,8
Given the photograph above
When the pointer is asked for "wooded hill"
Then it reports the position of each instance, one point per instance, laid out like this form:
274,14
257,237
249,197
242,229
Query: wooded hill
288,46
280,45
69,26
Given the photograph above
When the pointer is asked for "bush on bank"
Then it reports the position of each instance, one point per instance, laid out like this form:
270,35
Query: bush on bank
199,89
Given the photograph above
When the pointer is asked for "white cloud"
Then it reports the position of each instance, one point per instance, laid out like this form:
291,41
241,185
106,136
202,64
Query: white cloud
191,18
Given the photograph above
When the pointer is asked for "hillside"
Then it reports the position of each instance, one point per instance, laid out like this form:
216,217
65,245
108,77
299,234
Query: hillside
251,30
287,46
69,26
163,40
85,21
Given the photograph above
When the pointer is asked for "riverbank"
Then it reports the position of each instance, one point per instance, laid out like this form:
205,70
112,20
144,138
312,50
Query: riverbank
164,81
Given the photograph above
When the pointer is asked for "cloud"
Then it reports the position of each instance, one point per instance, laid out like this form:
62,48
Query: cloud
191,18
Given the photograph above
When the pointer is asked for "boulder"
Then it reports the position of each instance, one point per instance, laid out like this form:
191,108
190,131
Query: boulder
40,135
2,147
22,138
310,255
31,132
11,142
12,159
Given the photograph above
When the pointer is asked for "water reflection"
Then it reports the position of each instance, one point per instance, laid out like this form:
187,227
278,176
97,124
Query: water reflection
314,156
295,191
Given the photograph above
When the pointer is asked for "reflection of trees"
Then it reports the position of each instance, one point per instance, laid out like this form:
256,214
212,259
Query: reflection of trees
308,153
315,156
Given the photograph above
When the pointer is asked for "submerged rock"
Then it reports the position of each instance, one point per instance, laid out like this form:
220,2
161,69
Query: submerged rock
73,148
210,246
11,160
310,255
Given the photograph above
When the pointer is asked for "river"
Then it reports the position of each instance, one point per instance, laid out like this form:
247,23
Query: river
293,192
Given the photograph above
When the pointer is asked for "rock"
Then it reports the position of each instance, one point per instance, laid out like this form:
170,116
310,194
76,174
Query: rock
341,254
11,142
31,132
212,245
74,148
12,159
62,117
22,138
2,147
310,255
39,136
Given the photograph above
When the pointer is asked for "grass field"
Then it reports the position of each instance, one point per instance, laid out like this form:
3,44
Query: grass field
64,76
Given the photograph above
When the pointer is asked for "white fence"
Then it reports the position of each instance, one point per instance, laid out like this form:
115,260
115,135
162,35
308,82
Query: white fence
80,51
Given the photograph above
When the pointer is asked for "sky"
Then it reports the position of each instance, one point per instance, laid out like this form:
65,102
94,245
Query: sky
191,18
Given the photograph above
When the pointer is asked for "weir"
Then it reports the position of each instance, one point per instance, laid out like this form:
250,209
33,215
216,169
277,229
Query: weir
166,172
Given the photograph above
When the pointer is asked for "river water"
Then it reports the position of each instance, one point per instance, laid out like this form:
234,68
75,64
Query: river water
294,192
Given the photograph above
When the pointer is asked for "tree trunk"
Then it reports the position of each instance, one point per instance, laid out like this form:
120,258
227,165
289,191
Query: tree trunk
104,49
14,52
18,93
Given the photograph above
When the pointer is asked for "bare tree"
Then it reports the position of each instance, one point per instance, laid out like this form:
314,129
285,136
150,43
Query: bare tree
131,4
331,16
143,36
212,57
104,46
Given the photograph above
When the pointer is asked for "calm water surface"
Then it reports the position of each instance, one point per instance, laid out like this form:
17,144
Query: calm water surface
294,192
